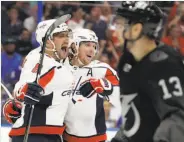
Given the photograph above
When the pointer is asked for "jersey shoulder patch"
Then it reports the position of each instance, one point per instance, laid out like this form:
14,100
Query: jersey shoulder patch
158,56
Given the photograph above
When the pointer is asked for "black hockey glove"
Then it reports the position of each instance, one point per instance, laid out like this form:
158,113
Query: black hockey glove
31,93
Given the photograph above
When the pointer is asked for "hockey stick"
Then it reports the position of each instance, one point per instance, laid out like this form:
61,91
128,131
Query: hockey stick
58,21
7,91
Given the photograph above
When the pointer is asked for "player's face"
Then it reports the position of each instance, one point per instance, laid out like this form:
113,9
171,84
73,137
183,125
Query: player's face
131,32
61,41
86,52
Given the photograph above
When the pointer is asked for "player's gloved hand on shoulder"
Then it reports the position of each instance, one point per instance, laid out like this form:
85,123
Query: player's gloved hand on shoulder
92,86
12,110
30,93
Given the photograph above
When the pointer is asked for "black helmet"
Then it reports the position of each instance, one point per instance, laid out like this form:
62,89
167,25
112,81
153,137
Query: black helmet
147,13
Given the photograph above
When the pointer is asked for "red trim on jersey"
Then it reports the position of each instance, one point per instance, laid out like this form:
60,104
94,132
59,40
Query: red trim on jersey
111,77
48,130
23,63
8,110
35,69
22,93
46,78
95,138
43,81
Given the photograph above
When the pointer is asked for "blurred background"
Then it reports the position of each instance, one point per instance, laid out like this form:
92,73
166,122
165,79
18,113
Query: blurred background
19,20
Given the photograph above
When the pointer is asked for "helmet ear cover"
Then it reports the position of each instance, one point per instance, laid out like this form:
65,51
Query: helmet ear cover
72,51
73,48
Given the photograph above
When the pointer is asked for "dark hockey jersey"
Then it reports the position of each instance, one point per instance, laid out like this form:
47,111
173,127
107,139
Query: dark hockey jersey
151,90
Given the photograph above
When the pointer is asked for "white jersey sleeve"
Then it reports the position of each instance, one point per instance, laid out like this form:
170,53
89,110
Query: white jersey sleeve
111,75
28,71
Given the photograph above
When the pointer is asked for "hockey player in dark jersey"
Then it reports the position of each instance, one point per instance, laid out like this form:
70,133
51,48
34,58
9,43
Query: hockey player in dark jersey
151,79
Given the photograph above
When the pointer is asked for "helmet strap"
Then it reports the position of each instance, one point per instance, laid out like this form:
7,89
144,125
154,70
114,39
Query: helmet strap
76,57
54,49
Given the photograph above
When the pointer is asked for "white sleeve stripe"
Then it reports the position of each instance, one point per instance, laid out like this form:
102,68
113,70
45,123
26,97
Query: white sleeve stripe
31,98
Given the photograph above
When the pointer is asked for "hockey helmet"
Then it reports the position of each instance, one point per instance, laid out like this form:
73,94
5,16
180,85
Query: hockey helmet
83,35
147,13
44,26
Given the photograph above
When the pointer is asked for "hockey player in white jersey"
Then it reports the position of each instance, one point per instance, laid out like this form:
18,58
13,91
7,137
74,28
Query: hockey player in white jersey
94,82
48,95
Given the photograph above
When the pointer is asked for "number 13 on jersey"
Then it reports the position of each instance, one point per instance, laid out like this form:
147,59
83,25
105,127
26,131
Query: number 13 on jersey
175,81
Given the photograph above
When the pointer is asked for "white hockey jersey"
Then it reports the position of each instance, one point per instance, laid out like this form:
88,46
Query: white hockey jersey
85,118
49,113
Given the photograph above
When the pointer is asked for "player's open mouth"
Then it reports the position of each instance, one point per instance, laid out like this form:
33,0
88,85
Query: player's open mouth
63,48
64,51
89,57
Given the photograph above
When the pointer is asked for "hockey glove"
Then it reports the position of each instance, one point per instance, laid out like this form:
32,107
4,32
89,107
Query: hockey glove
99,86
30,93
12,111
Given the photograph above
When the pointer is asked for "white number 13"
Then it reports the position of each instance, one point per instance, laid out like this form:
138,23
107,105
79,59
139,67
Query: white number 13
177,86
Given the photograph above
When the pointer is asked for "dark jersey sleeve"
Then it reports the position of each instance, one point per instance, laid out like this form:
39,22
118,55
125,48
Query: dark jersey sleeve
165,85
